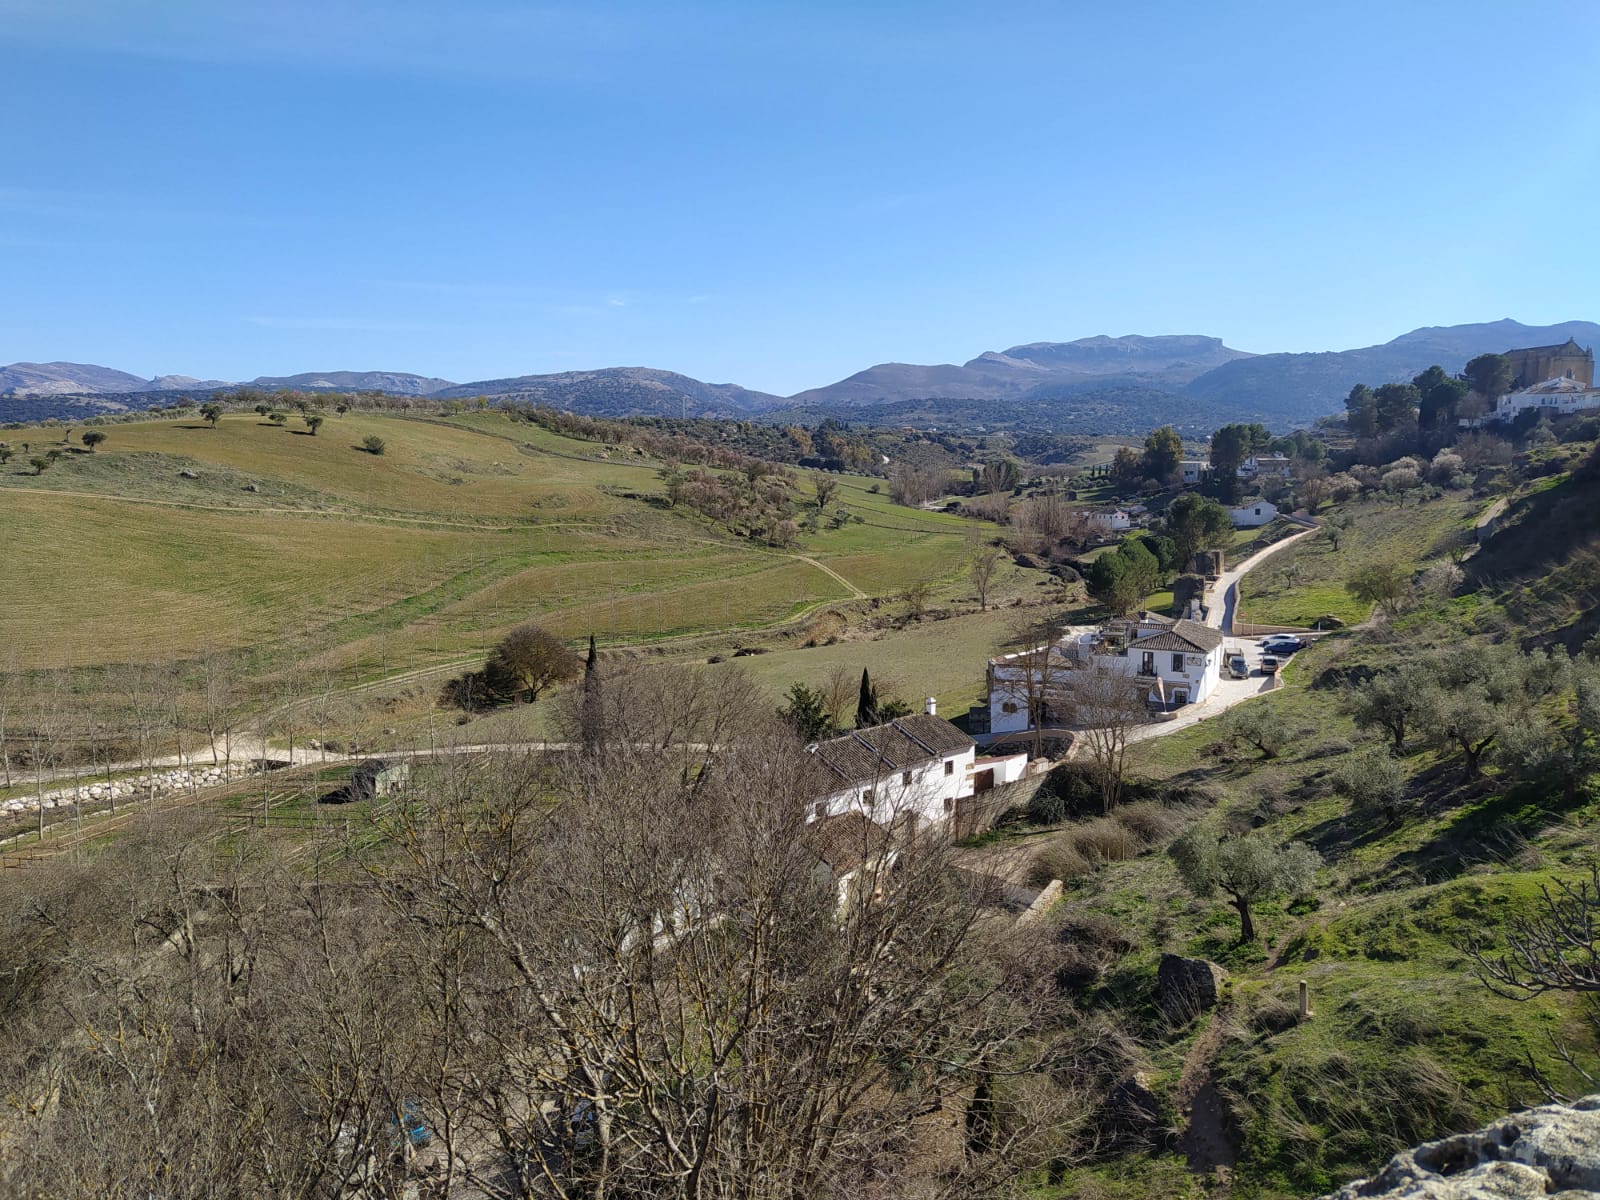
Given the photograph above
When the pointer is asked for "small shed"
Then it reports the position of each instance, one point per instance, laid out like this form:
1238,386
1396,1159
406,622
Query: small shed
379,777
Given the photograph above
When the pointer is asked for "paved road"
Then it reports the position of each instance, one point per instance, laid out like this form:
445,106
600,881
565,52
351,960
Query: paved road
1220,616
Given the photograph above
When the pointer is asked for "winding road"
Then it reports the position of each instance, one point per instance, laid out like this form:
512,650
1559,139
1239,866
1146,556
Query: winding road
1220,616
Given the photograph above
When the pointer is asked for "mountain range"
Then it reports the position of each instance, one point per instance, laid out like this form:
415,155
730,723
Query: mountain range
1115,384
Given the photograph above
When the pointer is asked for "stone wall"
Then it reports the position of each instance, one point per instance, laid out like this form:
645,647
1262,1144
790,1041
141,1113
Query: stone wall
156,783
977,814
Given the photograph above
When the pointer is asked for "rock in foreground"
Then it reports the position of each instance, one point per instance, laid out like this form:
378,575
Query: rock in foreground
1553,1150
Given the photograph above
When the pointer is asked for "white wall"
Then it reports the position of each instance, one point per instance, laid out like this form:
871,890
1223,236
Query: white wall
930,794
1263,512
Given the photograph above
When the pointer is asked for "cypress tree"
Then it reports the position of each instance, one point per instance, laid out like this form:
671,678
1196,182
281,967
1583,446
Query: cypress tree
867,705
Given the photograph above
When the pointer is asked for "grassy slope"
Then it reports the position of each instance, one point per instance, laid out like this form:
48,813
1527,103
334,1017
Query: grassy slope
1307,580
311,551
1405,1043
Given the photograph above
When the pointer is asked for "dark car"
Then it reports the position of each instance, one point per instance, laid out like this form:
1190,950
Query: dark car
1281,644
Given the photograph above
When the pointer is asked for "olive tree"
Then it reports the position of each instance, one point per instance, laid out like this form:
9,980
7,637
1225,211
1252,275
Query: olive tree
1247,869
1371,779
1390,701
1384,584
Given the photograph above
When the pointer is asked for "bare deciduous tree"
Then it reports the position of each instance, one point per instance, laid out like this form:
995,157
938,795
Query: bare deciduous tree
985,561
1106,709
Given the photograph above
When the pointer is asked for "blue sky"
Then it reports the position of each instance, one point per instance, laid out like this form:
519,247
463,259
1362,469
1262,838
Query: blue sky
777,194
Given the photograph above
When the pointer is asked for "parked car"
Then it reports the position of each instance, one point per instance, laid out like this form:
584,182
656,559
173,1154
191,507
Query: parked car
1269,664
1282,644
1238,665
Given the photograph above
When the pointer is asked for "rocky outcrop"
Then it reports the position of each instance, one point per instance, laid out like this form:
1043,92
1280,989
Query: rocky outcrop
1553,1150
1188,986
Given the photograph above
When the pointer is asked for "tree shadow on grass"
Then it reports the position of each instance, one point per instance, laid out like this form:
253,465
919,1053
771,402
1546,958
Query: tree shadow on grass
1494,832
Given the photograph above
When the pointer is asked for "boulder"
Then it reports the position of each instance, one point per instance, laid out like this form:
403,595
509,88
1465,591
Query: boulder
1553,1150
1188,986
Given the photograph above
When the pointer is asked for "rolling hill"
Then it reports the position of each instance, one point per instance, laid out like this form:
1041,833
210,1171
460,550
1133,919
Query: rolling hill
622,391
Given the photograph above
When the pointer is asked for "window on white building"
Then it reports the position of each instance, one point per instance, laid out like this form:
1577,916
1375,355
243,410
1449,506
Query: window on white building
949,766
905,779
1177,662
1008,707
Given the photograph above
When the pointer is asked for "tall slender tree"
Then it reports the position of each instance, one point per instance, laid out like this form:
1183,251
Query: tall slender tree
867,705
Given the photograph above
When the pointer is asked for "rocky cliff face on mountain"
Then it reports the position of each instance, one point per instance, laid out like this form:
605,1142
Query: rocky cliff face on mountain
1553,1150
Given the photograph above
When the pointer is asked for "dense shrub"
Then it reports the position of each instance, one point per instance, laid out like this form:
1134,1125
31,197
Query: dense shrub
1105,840
1058,859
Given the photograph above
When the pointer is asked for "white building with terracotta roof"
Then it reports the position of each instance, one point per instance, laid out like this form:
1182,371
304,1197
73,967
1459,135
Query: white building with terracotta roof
1176,662
916,766
1553,397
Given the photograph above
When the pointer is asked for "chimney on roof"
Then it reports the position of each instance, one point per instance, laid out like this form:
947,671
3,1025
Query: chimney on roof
931,706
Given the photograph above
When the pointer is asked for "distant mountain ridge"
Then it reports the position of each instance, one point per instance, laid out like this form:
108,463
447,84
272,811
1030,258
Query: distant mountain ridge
1168,360
1118,384
396,383
1307,386
623,391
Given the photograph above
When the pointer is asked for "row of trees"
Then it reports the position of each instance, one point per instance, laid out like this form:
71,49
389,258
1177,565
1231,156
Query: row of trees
1537,712
839,703
1433,400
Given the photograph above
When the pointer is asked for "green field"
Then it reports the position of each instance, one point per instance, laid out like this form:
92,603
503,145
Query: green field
176,539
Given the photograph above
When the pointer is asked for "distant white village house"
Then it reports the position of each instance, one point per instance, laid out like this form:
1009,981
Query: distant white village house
1194,470
1253,513
1258,465
1103,521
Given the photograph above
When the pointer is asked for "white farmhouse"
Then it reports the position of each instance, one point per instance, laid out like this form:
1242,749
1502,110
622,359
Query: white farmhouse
1258,465
1105,522
1253,513
912,767
1180,660
1194,470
